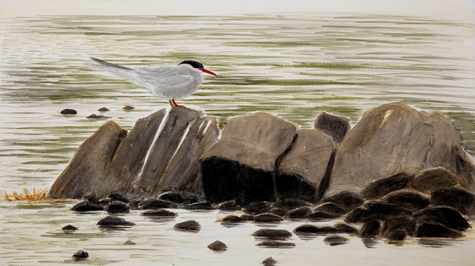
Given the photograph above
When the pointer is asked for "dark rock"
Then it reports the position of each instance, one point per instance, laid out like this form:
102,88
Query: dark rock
104,202
308,229
190,199
247,217
279,211
242,163
268,218
431,229
383,211
232,219
69,112
380,188
397,235
159,213
156,204
103,109
333,125
276,244
117,207
345,200
85,206
443,215
335,240
330,208
272,233
69,228
218,246
199,206
395,138
300,213
129,242
269,262
98,117
257,207
344,228
459,199
118,197
407,200
128,108
92,198
370,229
358,215
110,221
80,255
229,205
391,228
431,180
304,165
171,196
190,225
84,173
290,203
318,216
134,203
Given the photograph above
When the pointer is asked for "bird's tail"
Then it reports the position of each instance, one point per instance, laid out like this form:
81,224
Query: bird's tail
121,71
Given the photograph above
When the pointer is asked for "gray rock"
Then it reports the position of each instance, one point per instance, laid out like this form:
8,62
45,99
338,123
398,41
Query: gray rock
241,165
335,126
303,167
84,174
394,138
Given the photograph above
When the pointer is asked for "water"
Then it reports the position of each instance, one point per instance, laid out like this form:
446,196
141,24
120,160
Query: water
293,66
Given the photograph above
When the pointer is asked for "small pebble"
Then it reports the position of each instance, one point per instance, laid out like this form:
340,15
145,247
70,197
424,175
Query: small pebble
80,255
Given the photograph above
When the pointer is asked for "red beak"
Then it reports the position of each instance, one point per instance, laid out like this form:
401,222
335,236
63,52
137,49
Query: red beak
207,71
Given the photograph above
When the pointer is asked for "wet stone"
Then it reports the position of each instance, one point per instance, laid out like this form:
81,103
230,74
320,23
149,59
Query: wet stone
394,225
370,229
229,205
330,208
257,207
276,244
92,198
320,216
69,228
128,108
385,186
104,202
156,204
103,109
80,255
159,213
344,228
443,215
171,197
300,213
430,229
290,203
118,197
199,206
345,200
69,112
358,215
268,218
217,246
110,221
459,199
397,235
279,211
247,217
408,200
383,211
232,219
117,207
85,206
98,117
335,240
308,229
190,225
272,233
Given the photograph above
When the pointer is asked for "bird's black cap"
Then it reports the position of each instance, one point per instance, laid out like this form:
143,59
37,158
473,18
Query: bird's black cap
194,64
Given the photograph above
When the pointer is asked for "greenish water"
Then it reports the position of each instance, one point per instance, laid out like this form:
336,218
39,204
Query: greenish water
293,65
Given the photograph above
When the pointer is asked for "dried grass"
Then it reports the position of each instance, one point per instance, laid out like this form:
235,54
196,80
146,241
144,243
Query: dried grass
36,195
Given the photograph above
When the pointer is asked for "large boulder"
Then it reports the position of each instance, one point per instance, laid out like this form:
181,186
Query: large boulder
241,165
302,170
393,139
89,166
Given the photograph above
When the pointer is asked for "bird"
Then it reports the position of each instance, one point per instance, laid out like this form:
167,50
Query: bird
167,82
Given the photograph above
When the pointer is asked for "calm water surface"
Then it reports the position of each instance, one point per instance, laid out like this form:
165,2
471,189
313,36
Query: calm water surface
293,66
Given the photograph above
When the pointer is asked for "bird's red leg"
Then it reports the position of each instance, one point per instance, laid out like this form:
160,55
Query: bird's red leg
177,105
171,103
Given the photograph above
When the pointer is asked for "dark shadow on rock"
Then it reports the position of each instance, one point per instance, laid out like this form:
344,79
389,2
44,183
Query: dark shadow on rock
370,229
443,215
333,125
300,213
436,230
407,200
345,200
380,188
459,199
431,180
86,206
